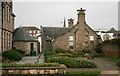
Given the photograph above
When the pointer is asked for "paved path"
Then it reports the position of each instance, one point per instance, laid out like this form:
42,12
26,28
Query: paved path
107,68
102,64
32,59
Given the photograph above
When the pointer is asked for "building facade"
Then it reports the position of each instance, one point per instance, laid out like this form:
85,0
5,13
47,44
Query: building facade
22,40
108,34
74,37
35,33
6,25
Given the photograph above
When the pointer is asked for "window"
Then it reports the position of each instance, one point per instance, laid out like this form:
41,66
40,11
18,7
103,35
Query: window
71,45
34,35
30,31
91,38
71,42
71,38
38,31
9,15
91,44
34,32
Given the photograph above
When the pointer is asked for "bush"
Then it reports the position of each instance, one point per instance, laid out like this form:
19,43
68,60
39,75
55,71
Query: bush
86,50
98,49
71,63
20,51
12,55
112,42
31,65
65,55
60,50
78,54
49,54
118,62
33,53
68,62
86,64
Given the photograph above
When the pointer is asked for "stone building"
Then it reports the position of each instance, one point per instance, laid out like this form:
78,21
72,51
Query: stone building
22,40
6,24
74,37
35,33
107,34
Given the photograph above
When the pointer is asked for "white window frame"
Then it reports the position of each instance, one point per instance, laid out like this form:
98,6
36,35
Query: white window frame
91,38
71,38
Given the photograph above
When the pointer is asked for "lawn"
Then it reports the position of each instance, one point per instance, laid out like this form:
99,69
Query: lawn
93,73
88,73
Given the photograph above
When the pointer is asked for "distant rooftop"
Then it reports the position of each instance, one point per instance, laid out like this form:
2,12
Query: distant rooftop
30,28
20,34
54,32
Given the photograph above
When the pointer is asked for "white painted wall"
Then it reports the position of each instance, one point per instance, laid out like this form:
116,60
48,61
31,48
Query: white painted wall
39,40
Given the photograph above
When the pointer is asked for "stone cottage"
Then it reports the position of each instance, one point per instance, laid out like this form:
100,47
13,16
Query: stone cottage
22,40
74,37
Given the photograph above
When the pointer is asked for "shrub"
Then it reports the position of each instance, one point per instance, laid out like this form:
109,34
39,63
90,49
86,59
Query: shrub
98,49
60,50
86,50
12,55
30,65
118,62
78,54
68,62
20,51
65,54
49,54
33,53
71,63
113,41
86,64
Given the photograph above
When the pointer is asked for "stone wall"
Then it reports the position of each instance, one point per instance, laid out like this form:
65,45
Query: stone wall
34,70
111,50
62,42
25,46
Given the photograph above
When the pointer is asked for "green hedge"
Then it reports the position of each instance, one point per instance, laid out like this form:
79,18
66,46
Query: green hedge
71,62
31,65
12,55
118,62
49,54
112,42
20,51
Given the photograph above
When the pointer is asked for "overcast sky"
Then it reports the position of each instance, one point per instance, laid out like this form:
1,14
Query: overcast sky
99,15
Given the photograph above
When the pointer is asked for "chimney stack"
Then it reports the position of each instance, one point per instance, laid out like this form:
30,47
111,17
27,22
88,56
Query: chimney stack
70,22
81,15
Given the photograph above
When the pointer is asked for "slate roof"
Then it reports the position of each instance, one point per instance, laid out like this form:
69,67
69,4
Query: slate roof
31,28
21,34
112,30
117,34
54,32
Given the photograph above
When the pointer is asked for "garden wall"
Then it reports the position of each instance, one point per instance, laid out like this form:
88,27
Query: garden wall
33,70
110,50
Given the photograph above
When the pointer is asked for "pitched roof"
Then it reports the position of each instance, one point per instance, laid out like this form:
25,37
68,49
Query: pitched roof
31,28
20,34
54,32
112,30
117,34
